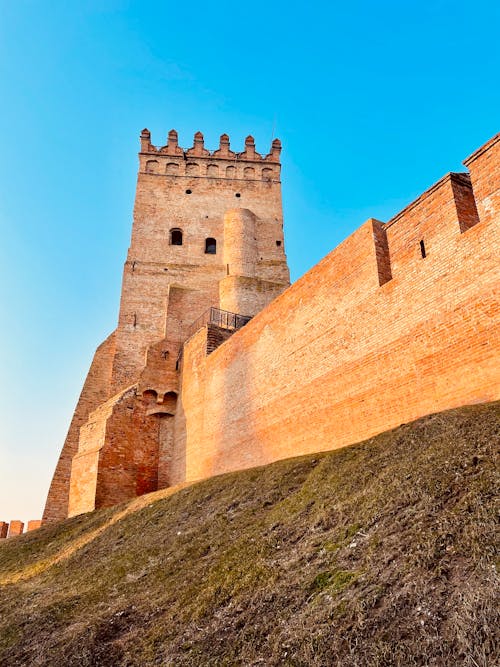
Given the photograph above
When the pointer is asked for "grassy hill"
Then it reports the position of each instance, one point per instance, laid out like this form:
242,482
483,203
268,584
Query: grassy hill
378,554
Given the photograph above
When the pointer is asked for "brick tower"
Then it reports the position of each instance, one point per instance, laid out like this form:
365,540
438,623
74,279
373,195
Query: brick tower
206,249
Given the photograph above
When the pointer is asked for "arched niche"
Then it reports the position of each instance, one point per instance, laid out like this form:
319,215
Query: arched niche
172,169
152,166
192,169
170,401
150,397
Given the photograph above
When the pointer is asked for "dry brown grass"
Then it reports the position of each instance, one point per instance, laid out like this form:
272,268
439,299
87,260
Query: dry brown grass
380,554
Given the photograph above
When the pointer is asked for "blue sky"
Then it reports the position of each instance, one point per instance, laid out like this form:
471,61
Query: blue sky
374,101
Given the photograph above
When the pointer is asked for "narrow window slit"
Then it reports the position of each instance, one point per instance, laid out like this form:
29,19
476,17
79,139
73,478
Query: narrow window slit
422,250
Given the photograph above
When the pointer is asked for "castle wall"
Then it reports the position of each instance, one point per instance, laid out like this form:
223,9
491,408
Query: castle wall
83,481
95,391
483,167
34,524
192,409
128,465
373,336
16,528
117,457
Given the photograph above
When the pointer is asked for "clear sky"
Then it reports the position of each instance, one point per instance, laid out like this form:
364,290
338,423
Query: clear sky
373,101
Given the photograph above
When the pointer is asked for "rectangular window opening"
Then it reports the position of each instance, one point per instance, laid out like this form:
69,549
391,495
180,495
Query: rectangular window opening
422,249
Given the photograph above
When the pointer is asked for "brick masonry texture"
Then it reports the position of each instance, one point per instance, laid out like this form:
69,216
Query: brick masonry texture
349,351
33,524
16,528
399,321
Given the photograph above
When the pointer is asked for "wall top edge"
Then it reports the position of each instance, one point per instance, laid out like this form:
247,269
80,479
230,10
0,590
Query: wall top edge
198,149
482,149
457,177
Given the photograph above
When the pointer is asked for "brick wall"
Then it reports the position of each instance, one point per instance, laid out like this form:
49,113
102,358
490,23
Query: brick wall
483,167
117,456
16,528
373,336
95,391
34,524
216,336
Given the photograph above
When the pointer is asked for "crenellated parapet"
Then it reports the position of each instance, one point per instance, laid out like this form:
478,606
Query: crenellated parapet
198,161
16,527
198,148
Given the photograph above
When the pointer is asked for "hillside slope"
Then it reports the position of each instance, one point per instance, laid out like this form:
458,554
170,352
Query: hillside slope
382,553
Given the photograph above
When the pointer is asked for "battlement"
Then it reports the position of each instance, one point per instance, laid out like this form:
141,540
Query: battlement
16,527
197,161
485,148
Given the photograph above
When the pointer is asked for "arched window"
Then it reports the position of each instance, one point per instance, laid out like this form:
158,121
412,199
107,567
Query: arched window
175,237
210,246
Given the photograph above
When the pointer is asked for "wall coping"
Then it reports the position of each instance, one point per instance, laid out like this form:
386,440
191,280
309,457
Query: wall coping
482,149
458,177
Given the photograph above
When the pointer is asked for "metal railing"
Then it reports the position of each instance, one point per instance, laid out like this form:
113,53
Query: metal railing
221,318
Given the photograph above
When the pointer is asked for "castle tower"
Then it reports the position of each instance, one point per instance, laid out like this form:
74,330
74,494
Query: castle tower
179,240
207,232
